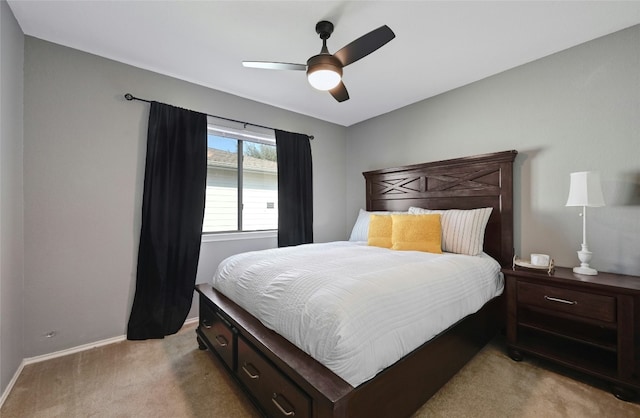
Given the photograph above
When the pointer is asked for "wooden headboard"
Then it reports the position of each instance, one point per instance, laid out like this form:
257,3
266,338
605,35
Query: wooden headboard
463,183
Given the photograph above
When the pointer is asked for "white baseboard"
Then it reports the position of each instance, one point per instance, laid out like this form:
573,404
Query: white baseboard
73,350
12,382
66,352
190,321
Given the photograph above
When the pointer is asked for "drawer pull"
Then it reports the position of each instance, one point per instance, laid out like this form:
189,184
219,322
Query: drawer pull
249,373
289,413
221,340
568,302
206,323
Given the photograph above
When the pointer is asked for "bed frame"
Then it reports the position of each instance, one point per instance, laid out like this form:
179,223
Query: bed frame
283,381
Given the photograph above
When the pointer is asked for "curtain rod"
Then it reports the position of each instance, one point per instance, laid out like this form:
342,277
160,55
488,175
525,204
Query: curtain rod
130,97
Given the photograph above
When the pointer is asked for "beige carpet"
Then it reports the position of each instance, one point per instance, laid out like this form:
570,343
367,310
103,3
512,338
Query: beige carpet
172,378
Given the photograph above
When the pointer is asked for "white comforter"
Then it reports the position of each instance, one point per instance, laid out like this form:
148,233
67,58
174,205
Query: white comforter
357,309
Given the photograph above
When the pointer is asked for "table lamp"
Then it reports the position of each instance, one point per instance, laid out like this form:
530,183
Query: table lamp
584,191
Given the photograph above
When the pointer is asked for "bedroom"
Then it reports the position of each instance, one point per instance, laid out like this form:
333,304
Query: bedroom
571,111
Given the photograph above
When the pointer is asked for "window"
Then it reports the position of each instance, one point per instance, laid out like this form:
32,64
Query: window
242,180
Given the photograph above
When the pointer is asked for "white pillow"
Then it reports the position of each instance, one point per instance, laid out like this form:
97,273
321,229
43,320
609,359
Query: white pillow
462,230
360,231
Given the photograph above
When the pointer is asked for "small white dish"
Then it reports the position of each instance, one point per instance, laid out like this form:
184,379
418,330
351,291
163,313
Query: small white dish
527,264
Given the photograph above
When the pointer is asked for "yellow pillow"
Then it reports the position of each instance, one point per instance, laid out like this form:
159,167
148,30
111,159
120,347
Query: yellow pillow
417,233
380,231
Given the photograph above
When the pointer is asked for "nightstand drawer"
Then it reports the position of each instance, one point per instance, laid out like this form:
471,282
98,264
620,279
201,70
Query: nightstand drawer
587,305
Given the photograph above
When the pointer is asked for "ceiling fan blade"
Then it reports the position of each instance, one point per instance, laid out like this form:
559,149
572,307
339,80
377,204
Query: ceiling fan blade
340,92
275,65
364,45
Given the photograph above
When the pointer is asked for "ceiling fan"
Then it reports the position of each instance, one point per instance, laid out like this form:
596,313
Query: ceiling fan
324,71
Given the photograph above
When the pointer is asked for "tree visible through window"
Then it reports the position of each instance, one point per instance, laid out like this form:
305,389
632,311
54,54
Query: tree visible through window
242,181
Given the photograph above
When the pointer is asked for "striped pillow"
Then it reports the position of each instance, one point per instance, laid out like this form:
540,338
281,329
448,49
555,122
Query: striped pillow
462,230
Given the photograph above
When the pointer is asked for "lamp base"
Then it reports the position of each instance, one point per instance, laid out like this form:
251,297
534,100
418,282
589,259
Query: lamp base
585,256
585,270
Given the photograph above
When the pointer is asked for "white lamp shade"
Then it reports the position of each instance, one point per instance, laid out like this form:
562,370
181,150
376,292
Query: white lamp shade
324,79
585,189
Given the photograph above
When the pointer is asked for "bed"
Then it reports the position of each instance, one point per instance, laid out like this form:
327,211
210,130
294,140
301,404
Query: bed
283,380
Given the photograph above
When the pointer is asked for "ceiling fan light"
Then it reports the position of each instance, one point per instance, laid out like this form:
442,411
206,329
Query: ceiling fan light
323,79
324,71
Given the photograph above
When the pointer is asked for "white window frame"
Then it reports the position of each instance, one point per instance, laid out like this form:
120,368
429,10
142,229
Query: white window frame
250,134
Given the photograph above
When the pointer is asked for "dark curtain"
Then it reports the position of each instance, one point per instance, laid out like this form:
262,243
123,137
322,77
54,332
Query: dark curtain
172,212
295,189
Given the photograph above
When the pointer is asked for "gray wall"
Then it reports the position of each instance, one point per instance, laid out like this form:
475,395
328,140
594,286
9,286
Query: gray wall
84,160
573,111
84,150
11,196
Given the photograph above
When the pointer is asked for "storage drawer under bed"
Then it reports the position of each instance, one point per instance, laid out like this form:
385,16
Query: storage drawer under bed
277,395
219,332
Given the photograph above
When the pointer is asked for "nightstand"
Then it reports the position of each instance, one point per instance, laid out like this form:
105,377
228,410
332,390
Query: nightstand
587,323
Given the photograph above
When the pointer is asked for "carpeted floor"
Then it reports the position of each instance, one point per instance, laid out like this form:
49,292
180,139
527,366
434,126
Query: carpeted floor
172,378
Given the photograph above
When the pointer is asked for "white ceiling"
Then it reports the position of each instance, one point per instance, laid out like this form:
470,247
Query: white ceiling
439,45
